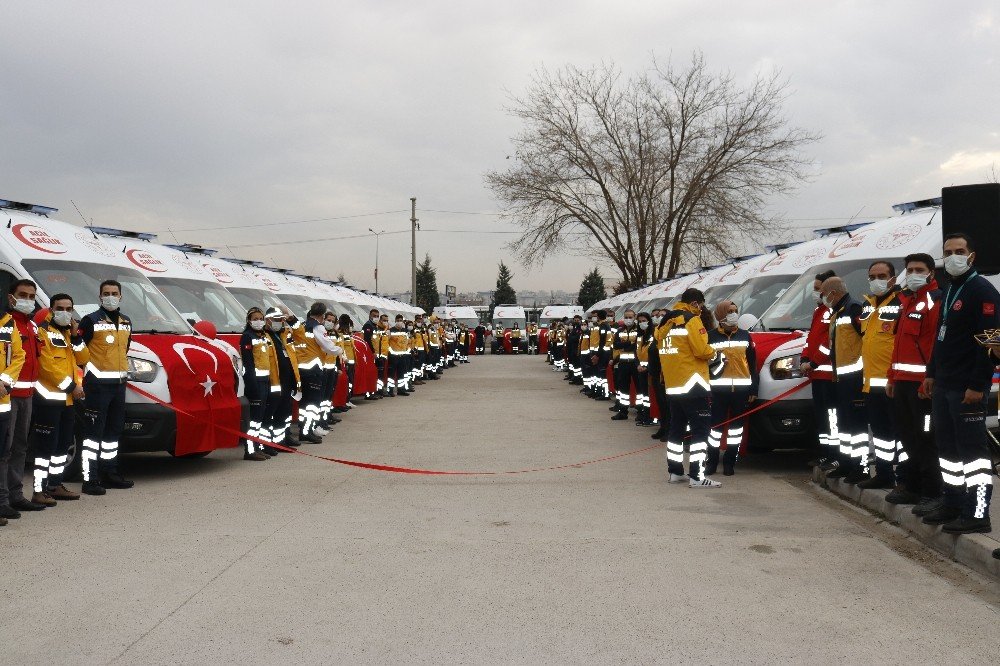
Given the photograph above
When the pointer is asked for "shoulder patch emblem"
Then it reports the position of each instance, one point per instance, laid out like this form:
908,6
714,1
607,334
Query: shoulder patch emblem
957,306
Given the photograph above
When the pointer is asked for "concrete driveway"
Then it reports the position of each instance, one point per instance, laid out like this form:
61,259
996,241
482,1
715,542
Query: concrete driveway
300,561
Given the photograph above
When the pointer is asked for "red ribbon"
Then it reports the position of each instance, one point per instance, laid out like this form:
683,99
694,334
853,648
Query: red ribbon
414,470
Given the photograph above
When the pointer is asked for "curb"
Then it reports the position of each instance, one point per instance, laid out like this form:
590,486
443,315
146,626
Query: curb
973,550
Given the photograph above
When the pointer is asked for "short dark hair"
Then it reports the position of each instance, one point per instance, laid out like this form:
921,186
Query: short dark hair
109,283
958,234
317,309
399,317
20,283
601,314
892,269
373,311
825,275
61,297
692,295
924,258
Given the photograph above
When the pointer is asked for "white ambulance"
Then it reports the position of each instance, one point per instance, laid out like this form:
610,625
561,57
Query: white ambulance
166,358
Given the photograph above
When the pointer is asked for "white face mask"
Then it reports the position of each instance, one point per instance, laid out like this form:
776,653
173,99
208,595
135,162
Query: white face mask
628,322
878,287
257,324
374,320
956,264
916,281
110,302
329,325
817,296
731,319
657,319
409,328
643,325
62,317
826,302
593,320
276,326
24,305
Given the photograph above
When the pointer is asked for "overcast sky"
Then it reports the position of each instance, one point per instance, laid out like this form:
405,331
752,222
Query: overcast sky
190,116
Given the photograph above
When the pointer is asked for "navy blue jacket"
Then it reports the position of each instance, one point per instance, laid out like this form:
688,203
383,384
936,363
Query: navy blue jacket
958,362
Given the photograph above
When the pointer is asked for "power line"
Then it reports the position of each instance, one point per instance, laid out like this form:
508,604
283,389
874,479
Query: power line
459,212
315,240
281,224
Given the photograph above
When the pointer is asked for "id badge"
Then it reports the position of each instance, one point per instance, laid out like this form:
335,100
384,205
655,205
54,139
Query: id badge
944,327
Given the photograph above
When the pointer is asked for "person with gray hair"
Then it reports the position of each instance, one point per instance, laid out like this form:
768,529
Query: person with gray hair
848,381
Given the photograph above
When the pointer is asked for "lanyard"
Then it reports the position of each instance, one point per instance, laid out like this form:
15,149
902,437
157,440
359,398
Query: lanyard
949,304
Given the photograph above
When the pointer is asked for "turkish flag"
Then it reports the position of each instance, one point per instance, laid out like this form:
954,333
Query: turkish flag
365,373
202,382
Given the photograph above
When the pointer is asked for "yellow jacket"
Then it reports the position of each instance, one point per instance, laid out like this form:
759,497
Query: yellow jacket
58,362
380,340
108,343
682,343
845,339
399,341
11,357
307,351
347,343
879,316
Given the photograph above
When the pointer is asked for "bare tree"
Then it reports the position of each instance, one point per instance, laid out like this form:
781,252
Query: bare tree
657,172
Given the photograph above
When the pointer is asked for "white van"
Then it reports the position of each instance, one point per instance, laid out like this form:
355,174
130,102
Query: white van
552,313
165,352
463,314
505,316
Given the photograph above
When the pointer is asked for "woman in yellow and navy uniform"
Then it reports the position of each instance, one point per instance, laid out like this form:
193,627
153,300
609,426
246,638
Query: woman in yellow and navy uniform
733,390
643,343
350,357
61,352
260,378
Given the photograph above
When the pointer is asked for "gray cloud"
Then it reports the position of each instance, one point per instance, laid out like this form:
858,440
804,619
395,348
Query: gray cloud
188,115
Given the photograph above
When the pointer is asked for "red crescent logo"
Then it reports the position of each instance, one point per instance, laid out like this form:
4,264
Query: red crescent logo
219,275
181,347
145,261
38,239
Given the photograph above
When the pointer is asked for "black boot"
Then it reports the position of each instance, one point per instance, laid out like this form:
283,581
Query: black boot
620,416
968,526
942,515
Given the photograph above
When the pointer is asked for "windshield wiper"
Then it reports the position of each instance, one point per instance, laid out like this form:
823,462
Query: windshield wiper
153,331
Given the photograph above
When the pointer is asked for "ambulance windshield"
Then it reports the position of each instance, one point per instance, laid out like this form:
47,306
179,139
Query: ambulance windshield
794,310
141,301
198,300
757,294
299,305
249,298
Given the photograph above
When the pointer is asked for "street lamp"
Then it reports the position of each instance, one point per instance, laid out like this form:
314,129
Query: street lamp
377,234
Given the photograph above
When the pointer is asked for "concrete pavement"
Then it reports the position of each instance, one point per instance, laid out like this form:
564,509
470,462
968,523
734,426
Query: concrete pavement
300,561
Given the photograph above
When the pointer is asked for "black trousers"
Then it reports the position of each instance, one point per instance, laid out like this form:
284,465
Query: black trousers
913,423
852,424
278,417
824,399
350,380
52,435
329,386
625,373
960,431
692,412
882,423
257,397
380,369
312,396
103,422
727,404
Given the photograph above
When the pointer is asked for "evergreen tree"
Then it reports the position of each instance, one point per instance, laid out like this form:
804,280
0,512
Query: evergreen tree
504,293
427,288
591,290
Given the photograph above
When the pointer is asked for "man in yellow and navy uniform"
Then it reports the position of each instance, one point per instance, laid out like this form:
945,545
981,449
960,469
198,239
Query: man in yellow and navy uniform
11,362
311,348
571,347
848,380
515,339
586,369
626,365
609,328
61,353
350,354
733,390
879,318
687,362
420,346
399,350
595,340
108,334
433,349
380,347
532,338
331,372
260,378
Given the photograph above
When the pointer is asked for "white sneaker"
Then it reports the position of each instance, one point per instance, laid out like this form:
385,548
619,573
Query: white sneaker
704,483
320,431
678,478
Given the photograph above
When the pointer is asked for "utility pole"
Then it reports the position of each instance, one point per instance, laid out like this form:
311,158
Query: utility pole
413,250
377,234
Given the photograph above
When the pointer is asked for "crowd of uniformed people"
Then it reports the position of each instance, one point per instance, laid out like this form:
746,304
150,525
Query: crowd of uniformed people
49,360
899,379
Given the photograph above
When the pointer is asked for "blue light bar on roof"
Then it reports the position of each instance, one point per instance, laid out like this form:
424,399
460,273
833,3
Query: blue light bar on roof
914,205
778,247
190,248
37,209
243,262
121,233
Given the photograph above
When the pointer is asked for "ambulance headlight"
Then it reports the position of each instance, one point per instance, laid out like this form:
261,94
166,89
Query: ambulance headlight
141,371
786,367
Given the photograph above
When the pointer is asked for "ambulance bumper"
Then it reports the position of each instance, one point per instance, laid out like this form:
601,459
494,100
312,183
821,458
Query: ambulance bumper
151,427
785,424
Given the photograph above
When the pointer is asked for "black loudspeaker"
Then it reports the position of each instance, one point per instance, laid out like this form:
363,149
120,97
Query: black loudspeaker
975,210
